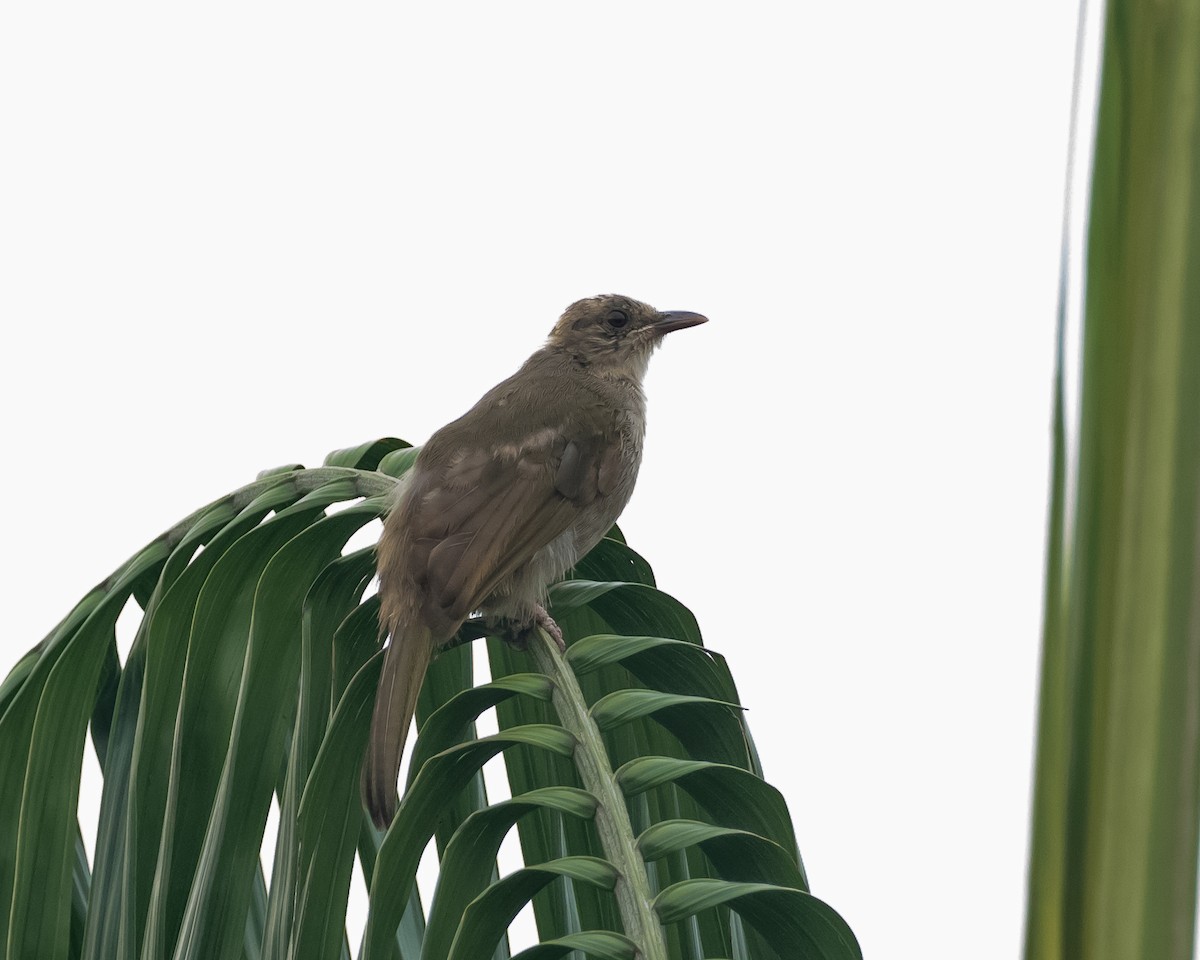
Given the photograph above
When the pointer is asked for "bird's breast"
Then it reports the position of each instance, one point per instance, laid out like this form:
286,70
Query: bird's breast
616,486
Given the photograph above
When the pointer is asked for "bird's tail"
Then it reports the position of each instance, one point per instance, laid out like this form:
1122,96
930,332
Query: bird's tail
404,667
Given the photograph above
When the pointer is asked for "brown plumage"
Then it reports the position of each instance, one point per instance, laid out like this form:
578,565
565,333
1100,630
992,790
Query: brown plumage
504,500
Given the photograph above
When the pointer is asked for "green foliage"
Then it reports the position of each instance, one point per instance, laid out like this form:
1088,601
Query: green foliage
1117,793
645,826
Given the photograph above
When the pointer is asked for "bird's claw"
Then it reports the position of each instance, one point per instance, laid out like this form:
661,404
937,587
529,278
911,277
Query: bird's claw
546,622
518,635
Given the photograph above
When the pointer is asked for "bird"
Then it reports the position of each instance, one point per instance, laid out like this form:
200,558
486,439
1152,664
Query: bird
503,501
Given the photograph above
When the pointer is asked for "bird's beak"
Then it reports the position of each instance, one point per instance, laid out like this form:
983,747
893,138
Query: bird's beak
676,320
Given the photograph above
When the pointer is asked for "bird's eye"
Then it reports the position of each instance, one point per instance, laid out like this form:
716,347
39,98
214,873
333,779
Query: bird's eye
617,318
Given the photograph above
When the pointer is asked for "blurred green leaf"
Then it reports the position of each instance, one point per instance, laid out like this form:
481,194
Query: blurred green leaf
1116,818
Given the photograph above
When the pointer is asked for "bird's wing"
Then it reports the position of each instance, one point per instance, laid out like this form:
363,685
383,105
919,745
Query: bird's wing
486,510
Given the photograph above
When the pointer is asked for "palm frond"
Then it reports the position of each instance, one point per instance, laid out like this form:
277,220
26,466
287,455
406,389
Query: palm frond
645,825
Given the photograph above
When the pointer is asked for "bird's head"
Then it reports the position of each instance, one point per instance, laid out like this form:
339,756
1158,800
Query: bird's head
615,335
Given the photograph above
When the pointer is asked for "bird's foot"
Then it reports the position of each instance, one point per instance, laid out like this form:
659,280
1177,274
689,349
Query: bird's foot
546,622
518,635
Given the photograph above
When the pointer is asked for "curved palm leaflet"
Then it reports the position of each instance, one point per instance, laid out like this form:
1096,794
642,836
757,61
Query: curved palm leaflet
644,822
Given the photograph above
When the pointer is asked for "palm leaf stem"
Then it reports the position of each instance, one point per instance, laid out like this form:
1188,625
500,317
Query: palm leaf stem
633,895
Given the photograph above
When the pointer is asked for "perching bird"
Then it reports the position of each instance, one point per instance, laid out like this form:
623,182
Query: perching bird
504,500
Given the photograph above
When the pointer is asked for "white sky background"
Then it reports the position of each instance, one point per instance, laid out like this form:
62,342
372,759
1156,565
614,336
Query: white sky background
239,235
